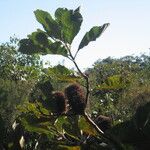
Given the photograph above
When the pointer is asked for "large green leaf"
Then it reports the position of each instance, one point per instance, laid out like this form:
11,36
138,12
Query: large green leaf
92,35
70,22
38,125
64,28
58,70
27,46
58,49
28,107
86,127
112,83
59,123
62,74
49,24
71,127
39,38
34,45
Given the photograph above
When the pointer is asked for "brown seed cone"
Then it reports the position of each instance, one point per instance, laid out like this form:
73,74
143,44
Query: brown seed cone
59,102
76,98
103,122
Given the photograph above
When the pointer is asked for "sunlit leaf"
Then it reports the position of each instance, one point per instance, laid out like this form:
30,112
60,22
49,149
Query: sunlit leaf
44,46
69,78
59,123
70,22
59,69
39,38
112,83
86,127
71,127
28,107
38,125
43,110
27,46
92,35
49,24
62,74
58,49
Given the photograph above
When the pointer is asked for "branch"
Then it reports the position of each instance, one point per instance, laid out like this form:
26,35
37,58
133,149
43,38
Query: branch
86,79
91,122
76,54
82,74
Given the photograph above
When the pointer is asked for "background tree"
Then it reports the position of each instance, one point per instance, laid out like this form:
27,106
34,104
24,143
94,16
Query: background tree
117,82
19,73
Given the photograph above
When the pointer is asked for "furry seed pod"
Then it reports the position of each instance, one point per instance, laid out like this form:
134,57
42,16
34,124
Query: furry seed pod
103,122
59,102
76,98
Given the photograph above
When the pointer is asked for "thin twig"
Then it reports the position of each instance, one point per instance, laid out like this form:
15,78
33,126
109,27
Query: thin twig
90,121
82,74
76,54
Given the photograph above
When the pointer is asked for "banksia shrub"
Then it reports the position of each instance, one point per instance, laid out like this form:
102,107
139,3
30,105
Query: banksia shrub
76,98
59,102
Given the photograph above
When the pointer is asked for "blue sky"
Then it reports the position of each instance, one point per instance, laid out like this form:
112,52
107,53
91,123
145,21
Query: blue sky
128,33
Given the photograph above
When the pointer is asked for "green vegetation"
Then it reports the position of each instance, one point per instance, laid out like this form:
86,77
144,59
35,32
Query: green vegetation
106,107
